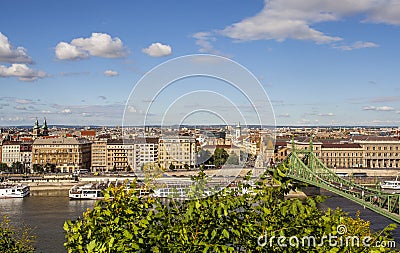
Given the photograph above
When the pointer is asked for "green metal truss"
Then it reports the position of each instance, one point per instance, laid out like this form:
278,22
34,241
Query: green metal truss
304,166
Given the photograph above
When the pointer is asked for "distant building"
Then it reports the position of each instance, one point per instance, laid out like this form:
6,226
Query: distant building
88,134
99,155
120,154
68,154
38,131
379,152
11,152
26,156
177,151
145,151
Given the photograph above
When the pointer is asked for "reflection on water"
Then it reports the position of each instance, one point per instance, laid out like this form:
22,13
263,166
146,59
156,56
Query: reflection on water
45,213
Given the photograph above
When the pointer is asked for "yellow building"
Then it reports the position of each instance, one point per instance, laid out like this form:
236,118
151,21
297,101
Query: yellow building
68,154
177,151
99,155
120,154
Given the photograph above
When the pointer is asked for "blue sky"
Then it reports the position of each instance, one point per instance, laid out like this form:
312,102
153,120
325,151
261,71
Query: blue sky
320,62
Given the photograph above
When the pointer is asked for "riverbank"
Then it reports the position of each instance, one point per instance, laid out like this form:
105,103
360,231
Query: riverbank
42,186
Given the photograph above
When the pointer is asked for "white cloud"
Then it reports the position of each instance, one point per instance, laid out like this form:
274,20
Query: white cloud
23,101
292,19
10,54
157,50
203,39
357,45
66,111
380,108
45,111
65,51
99,44
20,107
131,109
386,12
385,108
330,114
22,71
284,19
285,115
111,73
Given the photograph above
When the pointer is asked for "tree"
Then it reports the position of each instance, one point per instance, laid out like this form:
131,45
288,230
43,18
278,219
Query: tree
186,166
4,167
219,157
128,168
17,167
152,171
37,168
230,220
172,167
15,239
233,159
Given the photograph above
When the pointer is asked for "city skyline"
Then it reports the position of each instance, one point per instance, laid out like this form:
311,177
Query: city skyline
320,63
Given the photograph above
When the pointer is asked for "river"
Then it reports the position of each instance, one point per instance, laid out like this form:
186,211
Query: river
46,212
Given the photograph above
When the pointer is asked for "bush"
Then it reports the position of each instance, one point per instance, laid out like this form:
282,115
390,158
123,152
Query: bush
15,240
227,221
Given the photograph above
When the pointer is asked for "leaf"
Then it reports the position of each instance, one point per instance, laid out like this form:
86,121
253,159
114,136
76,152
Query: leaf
225,233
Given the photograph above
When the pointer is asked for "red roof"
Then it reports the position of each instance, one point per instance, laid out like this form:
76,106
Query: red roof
88,133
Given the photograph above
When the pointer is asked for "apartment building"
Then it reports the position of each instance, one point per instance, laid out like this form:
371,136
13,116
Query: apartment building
179,151
120,154
11,152
68,154
145,151
26,156
99,155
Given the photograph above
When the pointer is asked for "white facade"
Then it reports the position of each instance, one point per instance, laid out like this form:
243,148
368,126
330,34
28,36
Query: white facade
145,151
11,153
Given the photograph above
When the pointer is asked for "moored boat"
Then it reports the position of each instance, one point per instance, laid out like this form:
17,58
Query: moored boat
391,185
88,191
14,190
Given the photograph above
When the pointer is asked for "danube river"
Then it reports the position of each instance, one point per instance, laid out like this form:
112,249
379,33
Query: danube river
46,212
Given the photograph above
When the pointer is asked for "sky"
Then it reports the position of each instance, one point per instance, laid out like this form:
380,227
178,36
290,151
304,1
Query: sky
320,63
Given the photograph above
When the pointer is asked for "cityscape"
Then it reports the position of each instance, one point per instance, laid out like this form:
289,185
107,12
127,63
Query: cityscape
200,126
373,151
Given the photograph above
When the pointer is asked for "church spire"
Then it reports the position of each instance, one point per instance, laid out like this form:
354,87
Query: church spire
44,124
36,126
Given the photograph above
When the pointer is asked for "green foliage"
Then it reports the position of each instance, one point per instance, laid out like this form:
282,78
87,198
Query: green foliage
15,240
37,168
233,159
230,220
172,167
4,167
219,157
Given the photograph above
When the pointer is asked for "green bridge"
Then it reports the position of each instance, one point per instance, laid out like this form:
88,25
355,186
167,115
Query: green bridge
304,166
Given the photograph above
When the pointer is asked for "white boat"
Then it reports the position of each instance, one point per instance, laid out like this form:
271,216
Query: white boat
14,190
391,185
88,191
95,191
